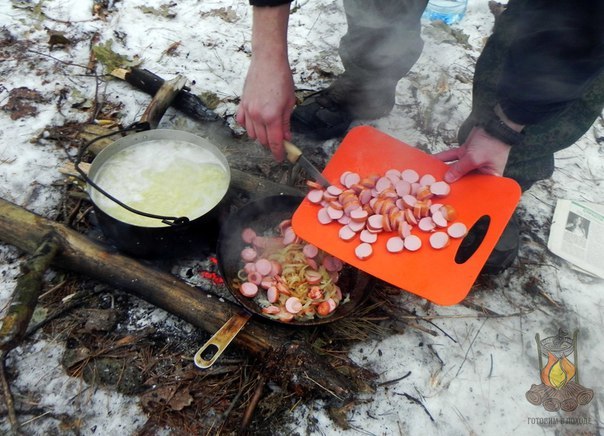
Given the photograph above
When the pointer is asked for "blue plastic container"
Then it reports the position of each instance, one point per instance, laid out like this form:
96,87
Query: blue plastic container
449,11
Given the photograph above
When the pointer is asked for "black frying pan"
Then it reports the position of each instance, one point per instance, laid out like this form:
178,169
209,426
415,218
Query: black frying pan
264,215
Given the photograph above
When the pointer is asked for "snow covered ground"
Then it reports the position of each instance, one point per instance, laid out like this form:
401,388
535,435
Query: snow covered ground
471,380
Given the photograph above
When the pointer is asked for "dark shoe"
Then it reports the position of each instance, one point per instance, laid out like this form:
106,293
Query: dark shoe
329,112
504,253
506,250
321,117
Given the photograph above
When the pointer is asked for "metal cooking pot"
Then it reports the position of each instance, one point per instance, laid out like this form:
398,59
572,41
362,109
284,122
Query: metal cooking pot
264,215
165,236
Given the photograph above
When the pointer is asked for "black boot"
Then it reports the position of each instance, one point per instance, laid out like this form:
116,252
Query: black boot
328,113
506,250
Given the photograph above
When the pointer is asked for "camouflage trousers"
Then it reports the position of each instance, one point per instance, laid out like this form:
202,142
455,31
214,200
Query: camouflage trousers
383,42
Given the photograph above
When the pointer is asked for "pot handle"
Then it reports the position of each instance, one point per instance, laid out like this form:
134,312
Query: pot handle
221,339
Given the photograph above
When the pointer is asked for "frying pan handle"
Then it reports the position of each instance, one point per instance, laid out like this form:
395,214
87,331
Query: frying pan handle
221,339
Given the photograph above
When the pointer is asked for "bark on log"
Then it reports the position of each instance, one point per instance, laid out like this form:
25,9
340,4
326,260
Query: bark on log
25,231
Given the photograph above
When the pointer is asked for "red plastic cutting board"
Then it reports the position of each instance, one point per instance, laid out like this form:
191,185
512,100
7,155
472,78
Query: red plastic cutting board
429,273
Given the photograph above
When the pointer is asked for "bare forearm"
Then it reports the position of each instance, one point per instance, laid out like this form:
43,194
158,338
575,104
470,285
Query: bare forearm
268,95
269,33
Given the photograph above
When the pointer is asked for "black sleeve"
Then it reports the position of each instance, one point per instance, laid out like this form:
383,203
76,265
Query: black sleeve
269,2
557,48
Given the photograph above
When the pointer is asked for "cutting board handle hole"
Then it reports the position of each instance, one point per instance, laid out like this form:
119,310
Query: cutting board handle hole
473,239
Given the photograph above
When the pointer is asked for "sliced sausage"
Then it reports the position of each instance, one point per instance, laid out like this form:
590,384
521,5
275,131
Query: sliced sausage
395,244
310,250
457,230
409,200
439,240
272,294
346,233
264,266
334,214
293,305
375,222
413,243
323,216
393,174
248,234
315,196
248,254
313,277
426,224
367,236
351,179
382,183
404,229
289,236
363,250
255,277
248,289
271,310
427,180
359,215
410,175
356,226
448,212
440,188
402,188
439,219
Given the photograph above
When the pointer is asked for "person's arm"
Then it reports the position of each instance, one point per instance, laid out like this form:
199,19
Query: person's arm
557,50
268,96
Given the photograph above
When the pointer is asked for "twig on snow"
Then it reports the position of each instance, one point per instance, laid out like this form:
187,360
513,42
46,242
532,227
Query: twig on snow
396,380
416,401
469,348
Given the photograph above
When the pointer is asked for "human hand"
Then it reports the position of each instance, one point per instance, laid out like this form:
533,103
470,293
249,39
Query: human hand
266,104
268,99
481,152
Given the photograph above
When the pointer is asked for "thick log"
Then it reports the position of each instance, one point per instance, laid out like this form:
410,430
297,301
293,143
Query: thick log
25,231
77,253
185,101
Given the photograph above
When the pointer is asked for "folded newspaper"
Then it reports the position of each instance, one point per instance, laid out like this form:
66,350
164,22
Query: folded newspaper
577,235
